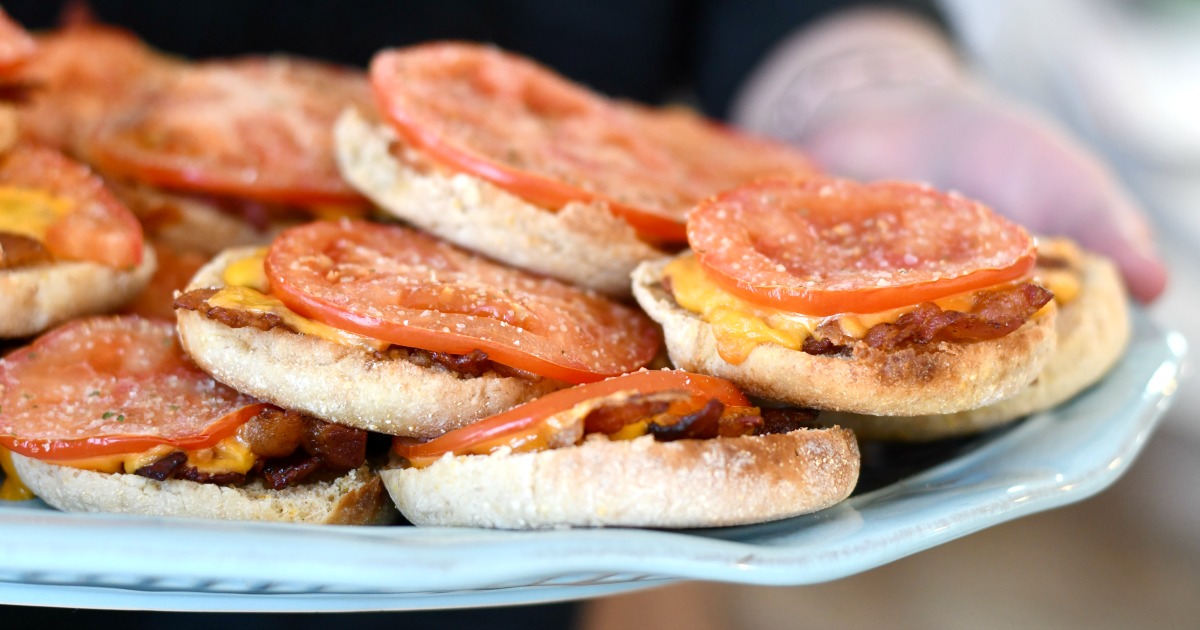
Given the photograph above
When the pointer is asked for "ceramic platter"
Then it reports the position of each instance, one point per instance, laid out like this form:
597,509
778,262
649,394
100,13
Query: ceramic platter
910,499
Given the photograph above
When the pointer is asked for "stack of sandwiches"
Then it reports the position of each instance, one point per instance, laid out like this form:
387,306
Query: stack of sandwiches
474,355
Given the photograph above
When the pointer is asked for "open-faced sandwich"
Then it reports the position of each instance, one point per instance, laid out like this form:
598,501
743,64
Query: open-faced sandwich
388,329
107,414
884,299
1092,330
647,449
501,156
226,152
208,154
79,77
68,247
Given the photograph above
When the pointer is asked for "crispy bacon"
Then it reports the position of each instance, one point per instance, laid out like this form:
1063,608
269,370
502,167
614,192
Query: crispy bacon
289,471
338,446
197,300
273,433
824,347
289,446
996,313
474,363
609,419
190,473
712,420
278,433
163,468
702,424
17,92
17,250
786,420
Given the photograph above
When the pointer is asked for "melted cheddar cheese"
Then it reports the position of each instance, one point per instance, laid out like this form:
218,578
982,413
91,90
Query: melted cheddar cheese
30,212
228,455
247,288
12,489
335,212
740,326
1064,282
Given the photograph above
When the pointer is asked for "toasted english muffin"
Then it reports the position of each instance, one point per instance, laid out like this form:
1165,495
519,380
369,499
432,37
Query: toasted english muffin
634,483
355,498
345,384
584,244
36,297
940,378
1092,331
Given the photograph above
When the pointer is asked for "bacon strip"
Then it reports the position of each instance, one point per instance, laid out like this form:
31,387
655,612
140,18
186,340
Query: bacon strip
17,250
290,447
702,424
996,313
197,300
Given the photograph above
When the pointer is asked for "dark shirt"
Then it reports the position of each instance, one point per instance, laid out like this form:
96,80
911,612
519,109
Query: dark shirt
648,50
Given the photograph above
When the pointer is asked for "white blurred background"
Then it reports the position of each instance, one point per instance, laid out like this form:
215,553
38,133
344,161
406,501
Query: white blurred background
1124,76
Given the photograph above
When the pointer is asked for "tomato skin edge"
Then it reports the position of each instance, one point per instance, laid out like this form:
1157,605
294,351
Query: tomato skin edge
830,303
816,301
192,180
574,372
413,337
56,450
528,414
546,193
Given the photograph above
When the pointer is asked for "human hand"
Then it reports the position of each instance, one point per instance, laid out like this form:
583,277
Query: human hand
875,95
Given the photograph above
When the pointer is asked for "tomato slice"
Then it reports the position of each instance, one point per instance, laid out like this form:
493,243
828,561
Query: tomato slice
518,125
409,289
16,44
95,226
109,386
256,127
81,76
520,418
823,246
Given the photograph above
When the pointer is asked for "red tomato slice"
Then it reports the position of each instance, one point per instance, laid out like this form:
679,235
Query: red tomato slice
412,290
97,227
109,386
520,418
16,44
823,246
258,127
81,76
516,124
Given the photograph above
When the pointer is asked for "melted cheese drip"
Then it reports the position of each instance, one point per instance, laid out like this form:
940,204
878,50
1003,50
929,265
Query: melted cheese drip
335,212
13,489
228,455
247,291
30,212
1064,282
740,326
248,272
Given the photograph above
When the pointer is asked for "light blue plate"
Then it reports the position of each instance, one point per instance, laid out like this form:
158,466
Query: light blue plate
49,558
